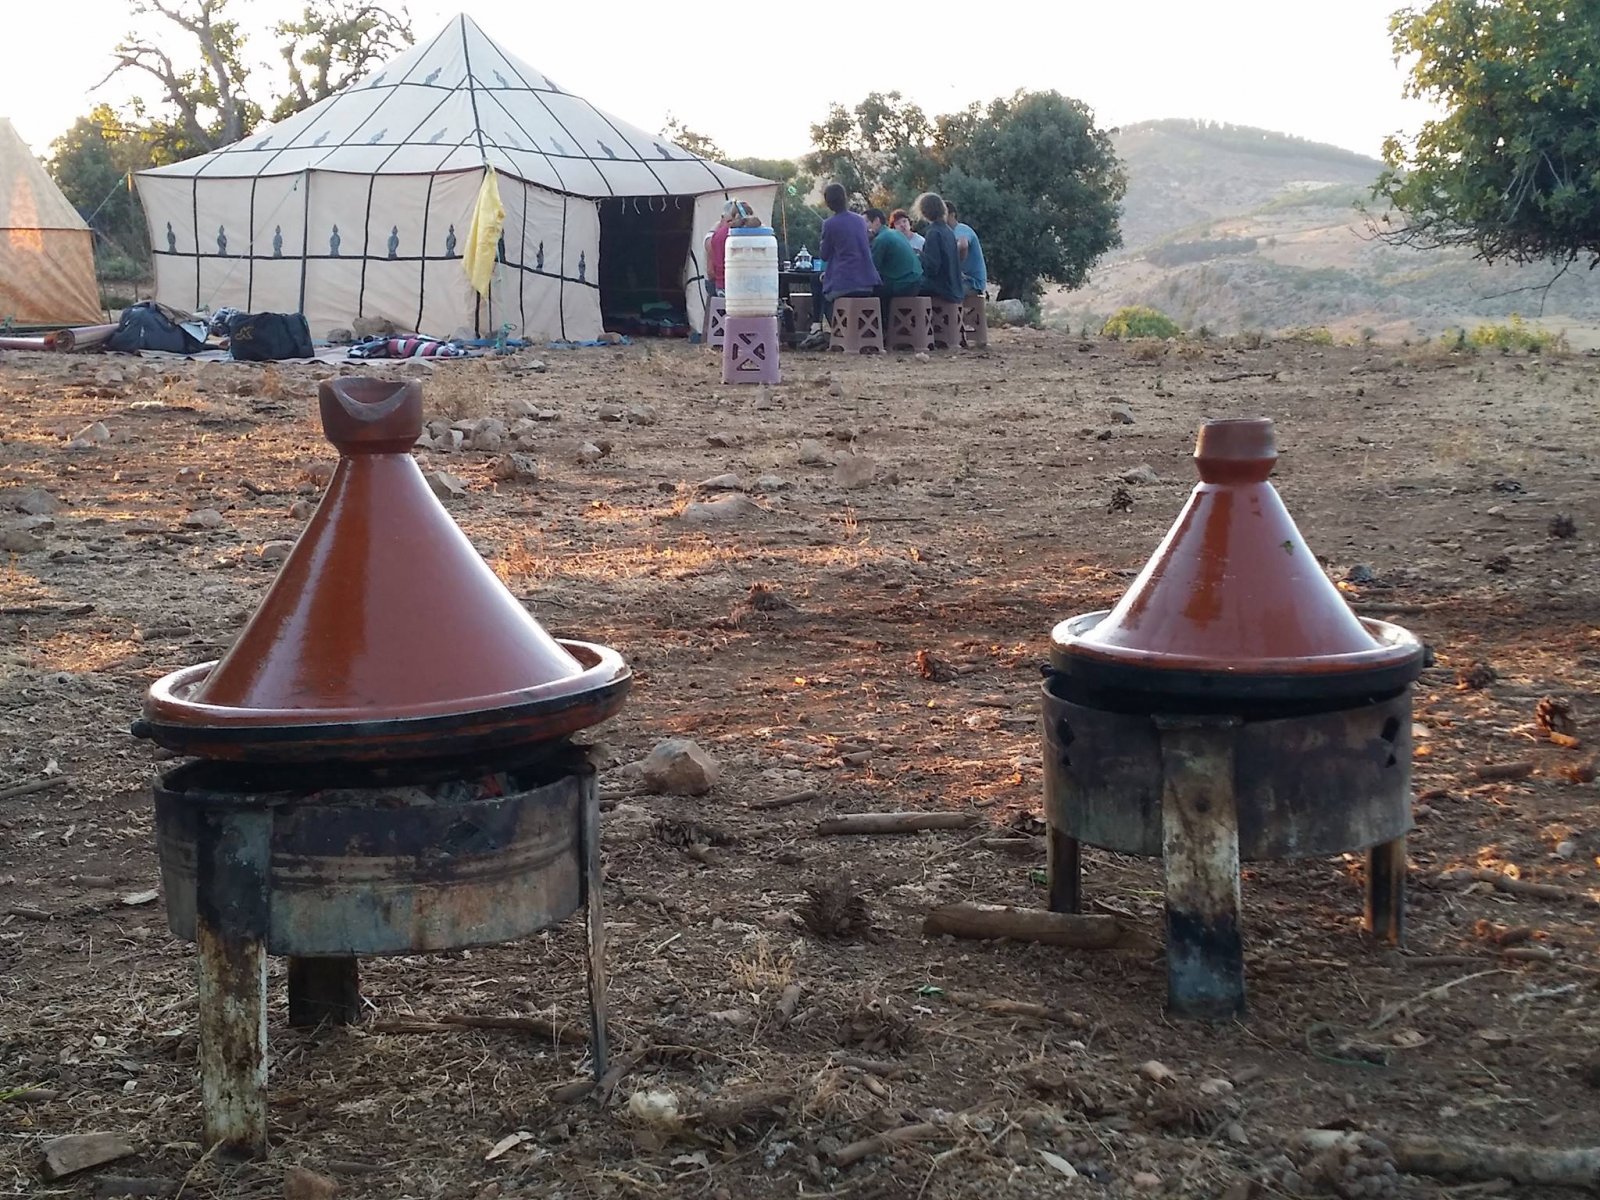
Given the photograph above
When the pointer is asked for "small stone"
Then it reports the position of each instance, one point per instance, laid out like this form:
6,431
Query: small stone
275,551
1011,312
728,482
191,475
812,453
772,483
203,518
1157,1072
516,468
522,428
437,428
836,391
518,407
679,767
451,439
38,524
301,1184
16,540
301,510
641,414
341,336
1121,414
488,435
537,366
1566,849
1361,573
922,356
589,453
733,507
546,414
723,439
1215,1087
1146,1181
446,486
95,433
612,413
1140,474
35,502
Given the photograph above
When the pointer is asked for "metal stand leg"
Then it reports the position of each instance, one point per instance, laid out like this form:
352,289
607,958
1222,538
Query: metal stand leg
596,922
1386,891
1200,852
324,991
1065,870
233,857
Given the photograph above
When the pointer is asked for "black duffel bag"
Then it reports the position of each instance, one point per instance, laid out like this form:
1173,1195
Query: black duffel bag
266,337
151,326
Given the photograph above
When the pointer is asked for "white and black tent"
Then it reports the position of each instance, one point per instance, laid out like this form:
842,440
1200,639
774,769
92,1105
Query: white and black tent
361,205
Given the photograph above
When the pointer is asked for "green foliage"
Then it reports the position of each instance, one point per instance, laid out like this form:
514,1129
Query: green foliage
796,222
682,136
334,43
880,138
112,267
1320,335
1250,140
1140,322
1509,169
1174,254
90,163
1515,337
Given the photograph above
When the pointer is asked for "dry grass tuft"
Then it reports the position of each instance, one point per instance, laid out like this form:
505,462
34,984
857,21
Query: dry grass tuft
877,1028
761,968
1147,350
459,391
835,909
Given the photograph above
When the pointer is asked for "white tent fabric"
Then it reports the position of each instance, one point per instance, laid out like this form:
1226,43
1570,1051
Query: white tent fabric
359,206
46,249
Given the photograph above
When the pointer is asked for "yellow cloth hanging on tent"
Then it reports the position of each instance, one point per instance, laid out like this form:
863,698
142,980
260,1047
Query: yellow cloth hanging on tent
483,239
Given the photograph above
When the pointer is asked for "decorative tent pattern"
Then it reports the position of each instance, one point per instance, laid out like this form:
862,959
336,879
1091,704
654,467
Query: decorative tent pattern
46,248
359,206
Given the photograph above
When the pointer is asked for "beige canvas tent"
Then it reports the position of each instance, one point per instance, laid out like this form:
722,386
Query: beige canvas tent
46,249
361,205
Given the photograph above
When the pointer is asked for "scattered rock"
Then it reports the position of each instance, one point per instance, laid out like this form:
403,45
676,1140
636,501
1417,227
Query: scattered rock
38,524
1476,676
612,413
203,518
275,551
656,1106
537,366
836,391
341,336
812,453
488,435
1556,715
723,439
727,482
1121,414
922,356
373,327
590,453
35,502
1498,565
930,666
446,486
733,507
1567,849
518,407
679,767
301,1184
522,429
95,433
1146,1181
1011,312
772,483
1562,526
76,1152
301,510
16,540
1361,573
1141,474
1157,1072
516,468
1508,487
546,414
641,414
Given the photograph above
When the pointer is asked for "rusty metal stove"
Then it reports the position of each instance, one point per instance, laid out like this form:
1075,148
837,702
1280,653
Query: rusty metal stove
1230,707
382,766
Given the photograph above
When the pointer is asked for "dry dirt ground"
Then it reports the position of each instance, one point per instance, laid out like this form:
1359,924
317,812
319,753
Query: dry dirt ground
979,516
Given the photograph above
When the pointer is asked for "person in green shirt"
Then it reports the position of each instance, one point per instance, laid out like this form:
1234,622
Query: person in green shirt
897,263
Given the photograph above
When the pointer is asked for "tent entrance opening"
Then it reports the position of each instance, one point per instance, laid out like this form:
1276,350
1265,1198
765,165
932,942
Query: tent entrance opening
644,241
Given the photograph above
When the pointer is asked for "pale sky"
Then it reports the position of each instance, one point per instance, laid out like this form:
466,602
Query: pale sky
1320,70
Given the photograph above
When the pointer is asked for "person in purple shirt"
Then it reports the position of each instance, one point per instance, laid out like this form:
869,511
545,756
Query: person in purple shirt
847,251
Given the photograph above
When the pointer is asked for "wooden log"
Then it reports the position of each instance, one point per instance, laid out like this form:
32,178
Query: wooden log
800,797
1509,884
28,789
76,1152
1473,1160
901,822
849,1155
1504,771
990,922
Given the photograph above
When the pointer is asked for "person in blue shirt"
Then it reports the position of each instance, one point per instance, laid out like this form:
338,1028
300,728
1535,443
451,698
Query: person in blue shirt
973,269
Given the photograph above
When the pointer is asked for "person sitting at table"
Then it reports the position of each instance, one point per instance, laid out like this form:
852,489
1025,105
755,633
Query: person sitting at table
895,259
973,270
941,257
901,220
846,252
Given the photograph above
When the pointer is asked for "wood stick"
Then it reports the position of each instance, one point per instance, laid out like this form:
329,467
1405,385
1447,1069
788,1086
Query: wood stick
556,1031
1508,770
884,1070
800,797
787,1003
1017,1008
1509,884
732,1111
849,1155
901,822
49,610
1397,607
1241,375
1482,1161
987,922
28,789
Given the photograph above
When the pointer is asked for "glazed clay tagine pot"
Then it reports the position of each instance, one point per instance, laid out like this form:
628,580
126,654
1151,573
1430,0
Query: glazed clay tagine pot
1233,608
385,635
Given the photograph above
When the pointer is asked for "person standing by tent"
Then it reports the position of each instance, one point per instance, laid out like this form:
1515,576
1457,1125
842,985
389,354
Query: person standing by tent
941,257
973,269
847,251
895,259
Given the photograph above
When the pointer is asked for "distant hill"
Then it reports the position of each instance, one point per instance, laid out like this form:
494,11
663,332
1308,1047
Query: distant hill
1239,228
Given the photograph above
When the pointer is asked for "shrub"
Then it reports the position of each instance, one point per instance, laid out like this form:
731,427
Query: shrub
1139,322
111,267
1516,336
1147,349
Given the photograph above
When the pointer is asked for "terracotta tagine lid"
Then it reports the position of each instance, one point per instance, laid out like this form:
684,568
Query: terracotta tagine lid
1233,602
385,633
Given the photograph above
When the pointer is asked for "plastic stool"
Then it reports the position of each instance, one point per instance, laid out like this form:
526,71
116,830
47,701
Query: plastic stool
716,320
857,325
909,318
750,350
946,324
975,320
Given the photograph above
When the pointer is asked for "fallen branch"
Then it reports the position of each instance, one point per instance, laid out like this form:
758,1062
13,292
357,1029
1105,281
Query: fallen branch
1479,1161
989,922
1510,884
849,1155
787,1003
620,1069
733,1111
49,610
1017,1008
555,1031
1432,993
1241,375
902,822
28,789
1398,608
870,1066
1506,771
801,797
